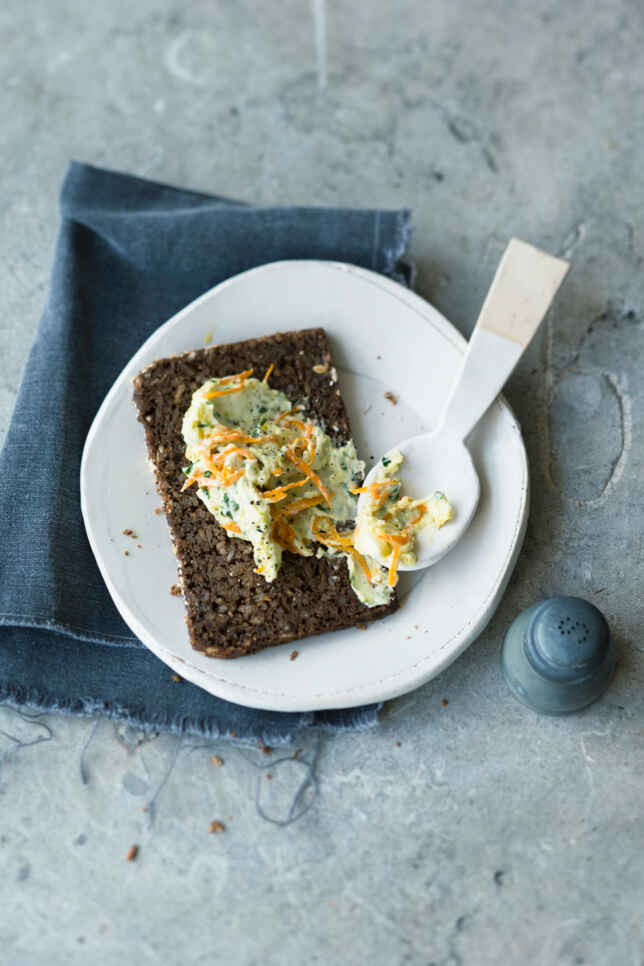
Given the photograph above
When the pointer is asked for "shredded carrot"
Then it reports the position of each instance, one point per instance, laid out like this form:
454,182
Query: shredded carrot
392,579
284,535
362,563
311,443
306,469
268,372
298,505
308,447
223,392
208,462
377,490
243,376
279,493
400,540
233,527
218,478
225,436
374,487
395,539
235,436
331,537
231,478
220,457
296,422
422,510
380,499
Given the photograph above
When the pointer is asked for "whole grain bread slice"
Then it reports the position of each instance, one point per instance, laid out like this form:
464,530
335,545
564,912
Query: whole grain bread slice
232,611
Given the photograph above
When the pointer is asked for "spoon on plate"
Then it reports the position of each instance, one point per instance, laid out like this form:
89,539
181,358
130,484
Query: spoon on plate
525,284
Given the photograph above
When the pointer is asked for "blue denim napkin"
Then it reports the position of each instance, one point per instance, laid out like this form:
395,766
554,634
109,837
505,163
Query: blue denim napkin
130,253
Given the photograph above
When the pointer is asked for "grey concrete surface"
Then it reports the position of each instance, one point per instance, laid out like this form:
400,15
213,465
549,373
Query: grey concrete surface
490,834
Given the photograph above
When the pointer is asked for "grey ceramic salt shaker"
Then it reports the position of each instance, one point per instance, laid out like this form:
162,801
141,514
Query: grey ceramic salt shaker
557,655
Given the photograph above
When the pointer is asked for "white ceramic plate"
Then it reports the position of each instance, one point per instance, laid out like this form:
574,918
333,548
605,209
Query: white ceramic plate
383,338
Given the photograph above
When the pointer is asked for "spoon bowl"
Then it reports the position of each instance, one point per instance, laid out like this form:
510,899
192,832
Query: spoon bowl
433,461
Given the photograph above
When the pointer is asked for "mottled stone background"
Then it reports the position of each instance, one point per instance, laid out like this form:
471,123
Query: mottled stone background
490,834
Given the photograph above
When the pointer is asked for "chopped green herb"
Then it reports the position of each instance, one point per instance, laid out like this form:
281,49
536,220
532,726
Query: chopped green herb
207,473
385,461
188,469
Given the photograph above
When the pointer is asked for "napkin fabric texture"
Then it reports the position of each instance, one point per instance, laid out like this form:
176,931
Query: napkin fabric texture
130,254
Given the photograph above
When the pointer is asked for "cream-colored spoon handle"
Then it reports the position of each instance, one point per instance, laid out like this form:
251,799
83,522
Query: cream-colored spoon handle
525,284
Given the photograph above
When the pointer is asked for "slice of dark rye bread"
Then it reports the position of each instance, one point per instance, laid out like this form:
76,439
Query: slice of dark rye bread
232,611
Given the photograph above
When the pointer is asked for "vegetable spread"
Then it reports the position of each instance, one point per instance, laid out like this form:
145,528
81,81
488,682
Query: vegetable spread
393,520
275,478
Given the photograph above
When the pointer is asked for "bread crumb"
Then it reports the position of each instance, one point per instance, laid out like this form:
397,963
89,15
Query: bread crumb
217,761
444,702
397,744
158,510
126,553
296,754
321,368
177,678
268,778
408,637
216,826
127,533
132,853
293,655
233,734
265,748
175,590
392,399
361,627
139,547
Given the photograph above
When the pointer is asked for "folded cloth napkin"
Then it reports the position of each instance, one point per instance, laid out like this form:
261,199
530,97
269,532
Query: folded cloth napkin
130,253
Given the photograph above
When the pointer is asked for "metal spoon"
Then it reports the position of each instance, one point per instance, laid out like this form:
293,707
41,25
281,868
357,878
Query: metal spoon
525,284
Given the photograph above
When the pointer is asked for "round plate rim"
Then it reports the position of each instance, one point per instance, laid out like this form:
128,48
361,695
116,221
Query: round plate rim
402,681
